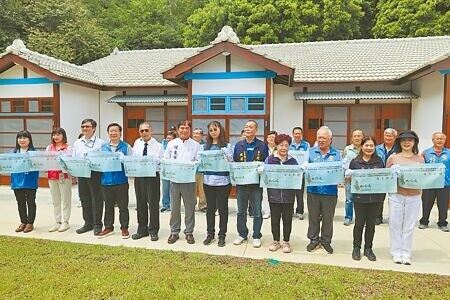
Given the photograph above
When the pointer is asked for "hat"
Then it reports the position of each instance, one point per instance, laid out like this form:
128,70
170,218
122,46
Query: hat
408,135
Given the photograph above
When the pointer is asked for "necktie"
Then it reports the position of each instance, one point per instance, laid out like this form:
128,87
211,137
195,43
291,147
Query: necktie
144,153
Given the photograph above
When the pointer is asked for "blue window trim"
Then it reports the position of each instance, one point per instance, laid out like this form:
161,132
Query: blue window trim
444,72
228,104
229,75
20,81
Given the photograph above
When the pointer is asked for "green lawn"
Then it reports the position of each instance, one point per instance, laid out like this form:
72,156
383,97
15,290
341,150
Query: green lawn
32,268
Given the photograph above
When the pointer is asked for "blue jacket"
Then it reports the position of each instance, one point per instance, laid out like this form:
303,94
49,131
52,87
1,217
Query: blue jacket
304,146
241,151
25,180
431,157
316,156
118,177
281,195
383,153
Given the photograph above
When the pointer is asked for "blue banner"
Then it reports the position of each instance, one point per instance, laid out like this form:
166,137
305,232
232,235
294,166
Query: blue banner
178,171
139,166
212,160
371,181
14,163
76,166
422,176
104,161
45,160
281,177
242,173
324,173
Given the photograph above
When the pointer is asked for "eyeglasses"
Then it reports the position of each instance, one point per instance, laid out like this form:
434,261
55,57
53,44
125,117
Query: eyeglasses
213,129
144,130
86,126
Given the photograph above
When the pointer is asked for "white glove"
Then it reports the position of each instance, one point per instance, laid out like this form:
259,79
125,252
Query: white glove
120,155
348,173
260,169
346,163
396,170
304,166
224,150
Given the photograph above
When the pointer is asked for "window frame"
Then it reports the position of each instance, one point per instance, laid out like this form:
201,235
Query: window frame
228,98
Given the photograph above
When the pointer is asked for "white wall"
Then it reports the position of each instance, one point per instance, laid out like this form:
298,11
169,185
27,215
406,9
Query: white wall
427,111
23,90
287,112
109,113
14,72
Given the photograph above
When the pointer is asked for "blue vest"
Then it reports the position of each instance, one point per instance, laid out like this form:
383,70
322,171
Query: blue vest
316,156
117,177
25,180
431,157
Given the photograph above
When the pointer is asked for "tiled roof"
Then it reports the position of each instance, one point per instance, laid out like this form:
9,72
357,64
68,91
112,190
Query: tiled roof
379,95
147,98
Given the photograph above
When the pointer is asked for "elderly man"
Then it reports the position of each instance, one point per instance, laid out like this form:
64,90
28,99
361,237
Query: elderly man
89,188
321,200
299,144
147,189
384,151
350,152
182,148
249,149
197,135
437,154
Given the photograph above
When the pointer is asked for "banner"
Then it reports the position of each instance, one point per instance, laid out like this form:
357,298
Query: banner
242,173
45,160
139,166
76,166
281,177
178,171
372,181
212,160
422,176
300,156
103,161
324,173
14,163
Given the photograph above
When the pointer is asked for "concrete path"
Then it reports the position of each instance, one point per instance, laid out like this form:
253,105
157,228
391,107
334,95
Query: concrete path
431,248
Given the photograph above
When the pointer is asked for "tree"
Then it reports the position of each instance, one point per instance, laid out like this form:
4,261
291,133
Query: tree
412,18
341,19
12,22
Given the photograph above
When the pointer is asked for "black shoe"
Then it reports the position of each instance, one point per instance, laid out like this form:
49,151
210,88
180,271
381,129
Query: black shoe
312,246
190,238
379,221
172,238
203,210
138,236
154,237
221,242
209,239
327,248
370,255
356,254
84,229
97,230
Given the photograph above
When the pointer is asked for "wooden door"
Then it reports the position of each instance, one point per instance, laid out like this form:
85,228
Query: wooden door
312,120
133,117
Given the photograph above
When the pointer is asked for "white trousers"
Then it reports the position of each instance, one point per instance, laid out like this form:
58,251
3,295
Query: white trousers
61,192
403,213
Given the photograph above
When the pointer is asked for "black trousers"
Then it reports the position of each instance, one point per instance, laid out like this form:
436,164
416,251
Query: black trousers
116,194
26,204
91,198
365,215
428,197
217,199
299,196
325,206
148,192
281,211
380,210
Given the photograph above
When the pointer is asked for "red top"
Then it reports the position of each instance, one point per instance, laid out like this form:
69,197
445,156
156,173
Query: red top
54,175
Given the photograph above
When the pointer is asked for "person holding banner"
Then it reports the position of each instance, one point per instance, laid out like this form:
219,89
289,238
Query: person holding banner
272,150
281,201
217,185
165,190
437,154
350,152
299,144
404,206
25,185
385,150
89,188
366,205
251,149
115,185
147,189
60,184
197,135
322,199
182,148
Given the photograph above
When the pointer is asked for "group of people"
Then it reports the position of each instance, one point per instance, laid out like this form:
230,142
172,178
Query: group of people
363,153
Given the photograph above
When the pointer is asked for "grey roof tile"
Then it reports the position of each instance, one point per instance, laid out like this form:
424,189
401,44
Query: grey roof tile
147,98
362,95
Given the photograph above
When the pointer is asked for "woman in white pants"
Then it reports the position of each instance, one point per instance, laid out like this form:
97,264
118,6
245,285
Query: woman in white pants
404,206
60,184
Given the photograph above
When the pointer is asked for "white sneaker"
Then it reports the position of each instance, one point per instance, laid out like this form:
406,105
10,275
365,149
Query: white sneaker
266,215
275,246
286,247
397,259
239,240
64,227
406,261
54,227
256,243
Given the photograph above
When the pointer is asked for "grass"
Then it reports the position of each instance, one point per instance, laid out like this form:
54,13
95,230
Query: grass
41,269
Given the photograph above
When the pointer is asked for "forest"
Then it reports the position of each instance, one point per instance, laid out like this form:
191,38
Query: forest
80,31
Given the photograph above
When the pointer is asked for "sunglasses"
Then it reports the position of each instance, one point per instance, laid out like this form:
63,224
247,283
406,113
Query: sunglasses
144,130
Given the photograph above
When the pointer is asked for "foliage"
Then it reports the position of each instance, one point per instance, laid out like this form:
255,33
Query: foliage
39,269
12,21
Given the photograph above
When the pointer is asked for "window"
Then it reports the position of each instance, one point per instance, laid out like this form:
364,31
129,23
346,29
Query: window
26,105
46,106
233,104
18,106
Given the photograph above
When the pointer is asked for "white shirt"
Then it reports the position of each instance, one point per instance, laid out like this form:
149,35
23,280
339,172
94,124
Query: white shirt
182,150
81,147
154,149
